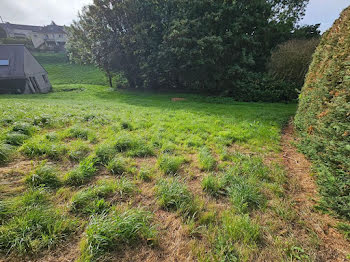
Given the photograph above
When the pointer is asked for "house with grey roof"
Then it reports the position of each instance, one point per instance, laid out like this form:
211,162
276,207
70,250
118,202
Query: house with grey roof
20,72
51,37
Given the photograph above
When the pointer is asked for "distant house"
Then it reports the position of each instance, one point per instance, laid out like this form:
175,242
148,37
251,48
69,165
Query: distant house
51,37
20,72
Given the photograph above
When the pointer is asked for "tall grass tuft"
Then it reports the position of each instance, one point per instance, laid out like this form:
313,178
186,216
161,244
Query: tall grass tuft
206,159
106,233
82,173
44,176
170,164
173,194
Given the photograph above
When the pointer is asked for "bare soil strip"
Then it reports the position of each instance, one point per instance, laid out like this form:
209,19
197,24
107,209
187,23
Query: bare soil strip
333,246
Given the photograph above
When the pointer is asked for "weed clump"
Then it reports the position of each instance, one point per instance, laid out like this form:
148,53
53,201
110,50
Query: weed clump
106,233
206,159
243,191
118,166
235,230
34,225
173,194
134,146
78,150
44,176
5,153
105,153
41,147
24,128
170,164
78,132
81,174
93,199
145,175
15,139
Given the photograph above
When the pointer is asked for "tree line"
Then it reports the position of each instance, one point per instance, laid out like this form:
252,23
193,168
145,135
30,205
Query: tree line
216,46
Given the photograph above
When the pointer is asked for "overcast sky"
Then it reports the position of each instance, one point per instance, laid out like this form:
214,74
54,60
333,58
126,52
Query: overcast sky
42,12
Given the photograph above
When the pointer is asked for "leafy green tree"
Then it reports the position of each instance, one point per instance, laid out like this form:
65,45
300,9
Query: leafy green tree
200,44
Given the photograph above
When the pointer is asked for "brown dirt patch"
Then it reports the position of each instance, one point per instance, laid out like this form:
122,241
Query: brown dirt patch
303,192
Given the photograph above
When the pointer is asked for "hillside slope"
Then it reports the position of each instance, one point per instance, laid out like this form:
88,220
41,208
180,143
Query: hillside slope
323,117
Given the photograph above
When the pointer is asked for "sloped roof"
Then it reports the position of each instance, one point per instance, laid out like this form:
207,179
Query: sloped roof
52,28
15,54
20,27
21,62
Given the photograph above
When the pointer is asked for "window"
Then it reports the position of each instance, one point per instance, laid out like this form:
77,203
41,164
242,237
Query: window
4,62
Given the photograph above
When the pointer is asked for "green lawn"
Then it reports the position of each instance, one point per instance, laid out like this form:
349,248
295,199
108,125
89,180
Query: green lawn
116,167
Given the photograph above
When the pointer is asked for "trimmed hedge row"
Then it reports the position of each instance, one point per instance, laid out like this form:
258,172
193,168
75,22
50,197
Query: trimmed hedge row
323,116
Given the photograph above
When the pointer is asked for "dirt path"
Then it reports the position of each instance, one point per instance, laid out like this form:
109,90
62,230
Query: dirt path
333,246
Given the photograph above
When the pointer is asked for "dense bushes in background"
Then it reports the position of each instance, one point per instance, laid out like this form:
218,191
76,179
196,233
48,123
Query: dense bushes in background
213,46
323,117
290,61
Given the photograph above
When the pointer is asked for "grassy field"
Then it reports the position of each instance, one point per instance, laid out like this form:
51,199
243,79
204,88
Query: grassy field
92,174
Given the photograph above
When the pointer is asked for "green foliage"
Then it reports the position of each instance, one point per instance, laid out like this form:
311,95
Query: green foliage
15,139
78,132
245,195
5,153
345,229
82,173
133,145
322,119
43,176
206,159
200,45
105,153
173,194
235,229
34,225
170,164
78,150
290,61
106,233
118,166
145,175
214,185
39,146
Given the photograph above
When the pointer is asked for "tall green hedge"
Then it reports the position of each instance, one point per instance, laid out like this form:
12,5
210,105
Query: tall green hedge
323,117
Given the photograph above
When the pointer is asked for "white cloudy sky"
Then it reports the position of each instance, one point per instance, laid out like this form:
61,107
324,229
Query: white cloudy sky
41,12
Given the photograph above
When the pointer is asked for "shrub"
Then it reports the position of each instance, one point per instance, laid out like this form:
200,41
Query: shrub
118,166
43,176
206,159
173,194
5,153
81,174
290,61
322,119
15,139
170,164
106,233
